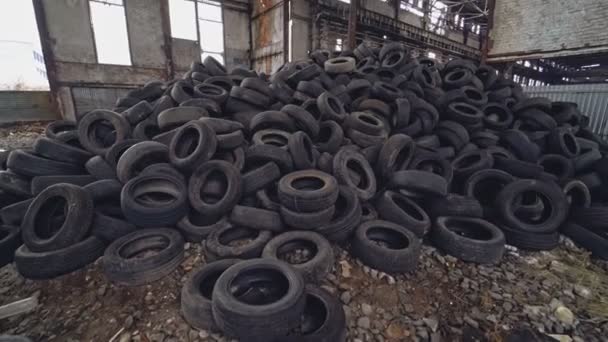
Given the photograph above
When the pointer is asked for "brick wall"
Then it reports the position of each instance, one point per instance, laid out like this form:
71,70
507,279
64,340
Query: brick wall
522,26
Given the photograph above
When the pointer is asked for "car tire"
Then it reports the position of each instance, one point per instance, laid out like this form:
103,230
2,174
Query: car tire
121,267
57,262
246,321
469,239
197,293
314,269
219,248
399,254
399,209
40,230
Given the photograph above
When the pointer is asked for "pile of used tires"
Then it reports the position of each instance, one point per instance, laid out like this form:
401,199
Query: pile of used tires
373,149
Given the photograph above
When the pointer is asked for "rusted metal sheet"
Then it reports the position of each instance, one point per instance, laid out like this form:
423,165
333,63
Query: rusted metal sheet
268,35
260,7
26,106
592,100
87,99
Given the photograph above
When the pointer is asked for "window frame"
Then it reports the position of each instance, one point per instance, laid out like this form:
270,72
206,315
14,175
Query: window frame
197,19
198,28
95,50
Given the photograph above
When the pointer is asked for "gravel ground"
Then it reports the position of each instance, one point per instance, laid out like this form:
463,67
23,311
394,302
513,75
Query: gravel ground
20,135
561,292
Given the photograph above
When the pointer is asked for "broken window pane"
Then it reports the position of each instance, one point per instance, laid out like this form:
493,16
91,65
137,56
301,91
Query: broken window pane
183,19
110,31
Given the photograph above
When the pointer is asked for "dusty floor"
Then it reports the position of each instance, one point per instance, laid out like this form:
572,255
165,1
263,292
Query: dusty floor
561,292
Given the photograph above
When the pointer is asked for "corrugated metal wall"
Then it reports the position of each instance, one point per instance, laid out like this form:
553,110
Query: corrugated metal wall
592,100
26,106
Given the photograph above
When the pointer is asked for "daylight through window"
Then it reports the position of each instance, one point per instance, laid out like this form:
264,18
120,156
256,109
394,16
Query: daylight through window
211,26
109,23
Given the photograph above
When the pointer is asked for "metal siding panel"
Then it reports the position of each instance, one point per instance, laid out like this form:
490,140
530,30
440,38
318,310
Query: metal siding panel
267,36
592,100
26,106
87,99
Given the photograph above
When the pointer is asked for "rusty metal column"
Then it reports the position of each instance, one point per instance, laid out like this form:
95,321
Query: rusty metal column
250,23
286,42
352,24
167,40
314,29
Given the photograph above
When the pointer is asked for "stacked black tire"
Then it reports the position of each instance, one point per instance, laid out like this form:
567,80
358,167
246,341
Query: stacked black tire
56,233
47,216
261,300
372,148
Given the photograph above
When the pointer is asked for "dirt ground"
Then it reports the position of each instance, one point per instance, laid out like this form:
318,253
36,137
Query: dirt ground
20,135
562,293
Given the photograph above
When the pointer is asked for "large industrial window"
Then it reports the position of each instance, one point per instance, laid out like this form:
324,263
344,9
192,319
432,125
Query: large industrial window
21,61
438,17
182,13
211,28
476,29
339,44
109,23
458,22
